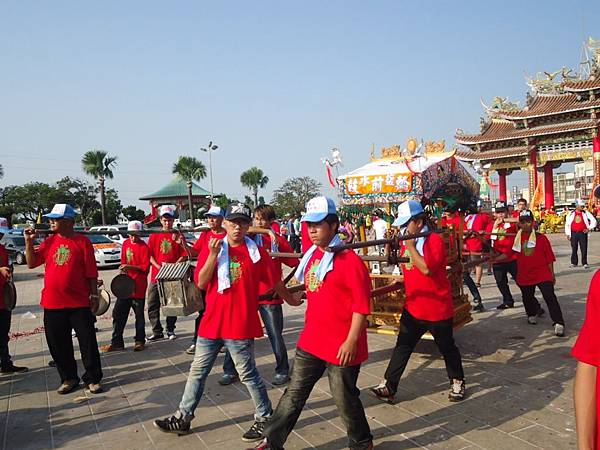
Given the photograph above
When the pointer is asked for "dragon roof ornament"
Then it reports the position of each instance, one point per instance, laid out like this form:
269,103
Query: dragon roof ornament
551,82
499,105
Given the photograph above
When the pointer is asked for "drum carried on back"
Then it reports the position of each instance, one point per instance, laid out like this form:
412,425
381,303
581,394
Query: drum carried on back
179,295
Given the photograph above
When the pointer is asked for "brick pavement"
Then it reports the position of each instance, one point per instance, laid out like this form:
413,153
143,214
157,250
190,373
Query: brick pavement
519,380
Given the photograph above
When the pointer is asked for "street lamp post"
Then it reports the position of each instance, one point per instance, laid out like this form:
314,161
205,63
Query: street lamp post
209,150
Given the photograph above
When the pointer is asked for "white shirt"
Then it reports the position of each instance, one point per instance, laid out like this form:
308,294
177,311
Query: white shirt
380,226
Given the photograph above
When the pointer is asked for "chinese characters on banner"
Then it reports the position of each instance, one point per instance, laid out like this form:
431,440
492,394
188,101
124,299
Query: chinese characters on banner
379,184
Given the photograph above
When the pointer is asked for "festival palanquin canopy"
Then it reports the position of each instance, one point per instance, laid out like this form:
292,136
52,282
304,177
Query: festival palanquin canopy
411,173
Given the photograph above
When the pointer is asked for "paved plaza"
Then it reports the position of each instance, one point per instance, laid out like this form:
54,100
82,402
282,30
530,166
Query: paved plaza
519,380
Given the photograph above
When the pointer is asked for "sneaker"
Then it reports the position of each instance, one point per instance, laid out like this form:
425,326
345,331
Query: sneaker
262,445
139,346
191,350
255,433
457,391
382,392
111,348
227,379
572,265
559,330
586,266
280,379
95,388
174,424
67,386
478,307
11,368
171,335
532,320
155,337
504,306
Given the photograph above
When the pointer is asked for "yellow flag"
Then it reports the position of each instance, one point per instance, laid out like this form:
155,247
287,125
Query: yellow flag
39,218
536,200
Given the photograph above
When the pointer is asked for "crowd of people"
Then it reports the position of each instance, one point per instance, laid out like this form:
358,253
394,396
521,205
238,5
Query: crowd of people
244,290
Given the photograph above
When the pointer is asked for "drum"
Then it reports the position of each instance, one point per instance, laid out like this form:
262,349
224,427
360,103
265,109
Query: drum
10,295
104,302
122,286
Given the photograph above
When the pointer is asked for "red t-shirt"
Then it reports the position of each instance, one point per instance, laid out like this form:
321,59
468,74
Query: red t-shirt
284,247
587,347
502,243
533,263
70,263
474,222
137,254
345,290
428,297
164,250
202,243
233,314
578,224
453,220
3,263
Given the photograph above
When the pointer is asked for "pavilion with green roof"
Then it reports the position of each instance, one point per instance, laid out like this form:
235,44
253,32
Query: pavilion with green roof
176,193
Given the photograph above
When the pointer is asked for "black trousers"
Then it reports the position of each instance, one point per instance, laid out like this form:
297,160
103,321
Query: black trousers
411,330
579,238
342,383
5,318
532,306
58,324
196,326
468,281
501,271
121,313
154,312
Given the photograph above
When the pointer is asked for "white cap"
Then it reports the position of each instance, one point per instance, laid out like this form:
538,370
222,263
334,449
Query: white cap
4,225
580,202
214,211
168,210
134,225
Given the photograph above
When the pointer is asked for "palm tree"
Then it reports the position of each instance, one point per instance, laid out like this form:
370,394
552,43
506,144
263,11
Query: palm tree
1,171
99,165
189,169
253,179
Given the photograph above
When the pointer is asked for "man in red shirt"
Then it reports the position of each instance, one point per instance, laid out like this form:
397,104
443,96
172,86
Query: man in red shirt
164,248
232,271
270,309
334,336
577,227
521,206
6,364
586,390
69,297
135,263
428,305
474,228
535,267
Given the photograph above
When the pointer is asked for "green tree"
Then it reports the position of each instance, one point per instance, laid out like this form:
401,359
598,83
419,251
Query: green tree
253,179
294,193
114,208
98,164
29,200
189,169
133,213
81,195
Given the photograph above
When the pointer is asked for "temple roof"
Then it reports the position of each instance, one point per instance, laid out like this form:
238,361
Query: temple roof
177,188
504,130
549,104
471,155
584,85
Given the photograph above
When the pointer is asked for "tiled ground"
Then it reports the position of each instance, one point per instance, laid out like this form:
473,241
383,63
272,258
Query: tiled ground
519,386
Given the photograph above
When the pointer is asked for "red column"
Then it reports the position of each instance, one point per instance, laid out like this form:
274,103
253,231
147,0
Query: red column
596,163
548,186
502,184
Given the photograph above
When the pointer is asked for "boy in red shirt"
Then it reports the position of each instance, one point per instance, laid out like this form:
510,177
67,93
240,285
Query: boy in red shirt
232,271
69,297
164,248
474,227
577,227
587,379
6,364
535,267
135,263
428,305
334,335
271,311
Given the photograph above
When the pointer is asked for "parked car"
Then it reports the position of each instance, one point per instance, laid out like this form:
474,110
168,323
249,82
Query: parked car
15,246
119,238
106,252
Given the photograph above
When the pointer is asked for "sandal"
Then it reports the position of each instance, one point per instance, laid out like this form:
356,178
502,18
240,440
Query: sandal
382,392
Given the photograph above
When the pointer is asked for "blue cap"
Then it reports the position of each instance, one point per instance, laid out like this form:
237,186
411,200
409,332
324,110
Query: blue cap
61,211
4,225
215,211
318,208
407,211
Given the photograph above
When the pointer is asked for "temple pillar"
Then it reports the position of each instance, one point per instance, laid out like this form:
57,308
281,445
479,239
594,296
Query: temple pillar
532,171
502,184
548,186
596,161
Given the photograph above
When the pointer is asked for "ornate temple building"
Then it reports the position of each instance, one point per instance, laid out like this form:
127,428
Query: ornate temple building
558,124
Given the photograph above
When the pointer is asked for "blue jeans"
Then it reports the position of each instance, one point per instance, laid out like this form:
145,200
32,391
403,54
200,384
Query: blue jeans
272,317
242,352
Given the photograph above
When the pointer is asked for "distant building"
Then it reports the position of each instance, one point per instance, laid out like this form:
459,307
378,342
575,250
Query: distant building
569,186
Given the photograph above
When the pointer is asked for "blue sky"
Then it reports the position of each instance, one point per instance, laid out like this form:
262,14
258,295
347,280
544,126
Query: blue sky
273,84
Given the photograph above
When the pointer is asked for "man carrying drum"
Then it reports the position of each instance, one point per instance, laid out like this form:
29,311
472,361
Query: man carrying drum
69,297
135,263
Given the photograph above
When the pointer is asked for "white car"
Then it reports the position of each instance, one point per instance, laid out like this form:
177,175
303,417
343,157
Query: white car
118,238
106,252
